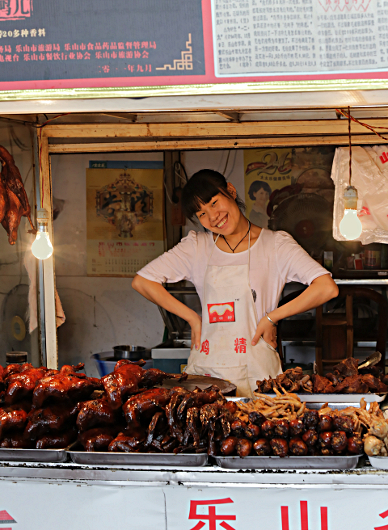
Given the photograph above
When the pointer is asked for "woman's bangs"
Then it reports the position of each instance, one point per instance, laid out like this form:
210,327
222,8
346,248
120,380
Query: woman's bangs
198,197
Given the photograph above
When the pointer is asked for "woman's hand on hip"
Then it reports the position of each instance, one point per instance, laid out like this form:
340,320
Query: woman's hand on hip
196,327
266,330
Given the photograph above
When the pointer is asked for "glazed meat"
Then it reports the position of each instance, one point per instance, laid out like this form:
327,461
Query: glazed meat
311,419
374,384
125,444
66,385
12,217
128,377
145,405
339,441
3,198
15,369
297,447
121,383
94,413
268,428
292,380
50,420
347,368
279,447
262,447
97,439
15,440
244,447
296,427
281,429
252,432
12,418
324,439
310,438
352,385
355,445
21,385
322,385
57,441
343,423
13,198
325,423
228,445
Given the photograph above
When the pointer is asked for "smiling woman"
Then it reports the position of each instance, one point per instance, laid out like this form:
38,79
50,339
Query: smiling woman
239,271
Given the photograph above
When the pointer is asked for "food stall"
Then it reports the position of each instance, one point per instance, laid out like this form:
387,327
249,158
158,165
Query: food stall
196,108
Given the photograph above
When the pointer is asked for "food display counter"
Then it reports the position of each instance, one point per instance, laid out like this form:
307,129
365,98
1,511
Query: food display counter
100,497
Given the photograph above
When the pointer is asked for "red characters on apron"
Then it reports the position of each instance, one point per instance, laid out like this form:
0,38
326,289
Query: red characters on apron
229,321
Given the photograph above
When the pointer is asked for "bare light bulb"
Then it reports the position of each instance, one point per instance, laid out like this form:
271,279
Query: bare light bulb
350,226
42,247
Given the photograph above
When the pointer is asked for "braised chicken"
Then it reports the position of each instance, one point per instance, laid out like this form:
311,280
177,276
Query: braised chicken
13,198
344,378
21,385
13,418
128,378
97,412
66,385
58,440
52,419
98,439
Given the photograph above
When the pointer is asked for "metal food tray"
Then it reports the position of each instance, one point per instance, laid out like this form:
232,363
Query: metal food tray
33,455
379,462
337,398
139,459
288,462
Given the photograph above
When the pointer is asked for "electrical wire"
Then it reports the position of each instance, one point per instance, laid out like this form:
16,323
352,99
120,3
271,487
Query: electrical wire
226,163
366,125
350,148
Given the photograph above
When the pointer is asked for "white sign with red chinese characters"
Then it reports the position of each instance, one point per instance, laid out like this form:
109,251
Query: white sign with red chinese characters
83,505
44,505
277,508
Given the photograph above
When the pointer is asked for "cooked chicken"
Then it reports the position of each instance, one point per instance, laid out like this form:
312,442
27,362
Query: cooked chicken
66,385
95,413
50,420
14,201
21,385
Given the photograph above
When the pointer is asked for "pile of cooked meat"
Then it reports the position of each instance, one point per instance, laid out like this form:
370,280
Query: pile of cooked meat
125,411
345,378
312,434
52,408
13,198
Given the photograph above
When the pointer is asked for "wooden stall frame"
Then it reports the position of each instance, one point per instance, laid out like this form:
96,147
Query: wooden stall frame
59,138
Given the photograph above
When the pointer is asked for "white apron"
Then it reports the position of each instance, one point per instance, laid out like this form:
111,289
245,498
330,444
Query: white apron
229,322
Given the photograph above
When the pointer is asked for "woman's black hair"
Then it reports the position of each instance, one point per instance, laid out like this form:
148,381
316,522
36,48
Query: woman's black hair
201,188
258,185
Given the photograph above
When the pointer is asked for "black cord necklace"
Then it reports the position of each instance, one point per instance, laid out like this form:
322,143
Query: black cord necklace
241,240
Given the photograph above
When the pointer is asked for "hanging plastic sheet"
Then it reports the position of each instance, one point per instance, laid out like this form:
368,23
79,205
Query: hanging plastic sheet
370,177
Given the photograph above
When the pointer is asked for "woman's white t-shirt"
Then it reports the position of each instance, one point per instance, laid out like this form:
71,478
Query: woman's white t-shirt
276,258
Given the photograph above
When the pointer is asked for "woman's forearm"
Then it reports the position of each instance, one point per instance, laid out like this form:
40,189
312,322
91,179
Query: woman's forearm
321,290
156,293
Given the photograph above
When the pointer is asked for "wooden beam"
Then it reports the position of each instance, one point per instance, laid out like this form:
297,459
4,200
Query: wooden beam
226,143
207,130
232,116
48,264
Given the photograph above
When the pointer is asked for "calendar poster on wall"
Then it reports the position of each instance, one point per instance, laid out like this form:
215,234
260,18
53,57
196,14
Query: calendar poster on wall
125,225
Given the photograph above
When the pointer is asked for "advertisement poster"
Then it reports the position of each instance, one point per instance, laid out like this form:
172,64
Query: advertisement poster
125,225
149,43
306,169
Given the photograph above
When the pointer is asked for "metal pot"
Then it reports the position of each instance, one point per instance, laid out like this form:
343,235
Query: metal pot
129,351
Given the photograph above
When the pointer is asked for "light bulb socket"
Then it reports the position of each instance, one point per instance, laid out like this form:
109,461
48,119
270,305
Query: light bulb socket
350,198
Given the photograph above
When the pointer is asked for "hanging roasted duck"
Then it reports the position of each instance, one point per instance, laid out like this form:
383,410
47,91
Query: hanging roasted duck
13,197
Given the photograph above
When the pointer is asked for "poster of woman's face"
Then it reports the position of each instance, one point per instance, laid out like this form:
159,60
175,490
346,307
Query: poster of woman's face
259,192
